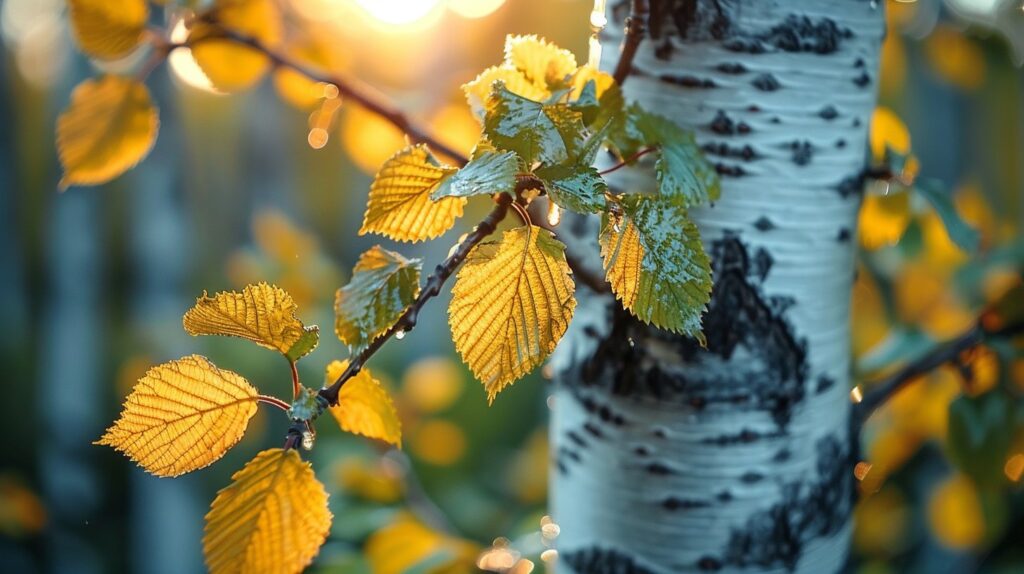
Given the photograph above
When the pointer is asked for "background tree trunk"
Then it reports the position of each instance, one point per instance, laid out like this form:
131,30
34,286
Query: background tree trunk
670,457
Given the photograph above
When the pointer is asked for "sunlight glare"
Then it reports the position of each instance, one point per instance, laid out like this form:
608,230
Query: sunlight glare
474,8
398,12
184,65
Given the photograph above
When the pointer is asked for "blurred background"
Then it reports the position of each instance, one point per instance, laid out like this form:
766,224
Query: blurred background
270,185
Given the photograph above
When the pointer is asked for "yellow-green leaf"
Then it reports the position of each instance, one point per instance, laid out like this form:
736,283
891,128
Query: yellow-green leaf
272,519
399,205
541,62
364,407
480,88
511,303
109,127
656,265
263,314
183,415
108,29
383,285
230,65
406,545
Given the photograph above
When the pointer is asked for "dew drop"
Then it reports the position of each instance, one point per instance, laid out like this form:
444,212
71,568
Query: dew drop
400,334
307,440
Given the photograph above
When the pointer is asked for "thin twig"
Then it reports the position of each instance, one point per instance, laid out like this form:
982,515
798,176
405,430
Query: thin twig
273,401
884,389
639,154
296,385
360,93
433,287
636,28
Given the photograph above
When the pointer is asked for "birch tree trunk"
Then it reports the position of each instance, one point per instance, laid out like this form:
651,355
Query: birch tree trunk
669,457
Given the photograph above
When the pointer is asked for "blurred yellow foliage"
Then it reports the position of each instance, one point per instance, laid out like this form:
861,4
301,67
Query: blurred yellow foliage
380,481
108,30
316,49
368,138
528,471
455,125
110,125
955,58
231,66
406,543
21,511
880,522
955,514
869,322
888,130
884,215
438,442
432,384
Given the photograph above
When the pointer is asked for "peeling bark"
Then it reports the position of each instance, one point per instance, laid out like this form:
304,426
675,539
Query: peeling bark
669,457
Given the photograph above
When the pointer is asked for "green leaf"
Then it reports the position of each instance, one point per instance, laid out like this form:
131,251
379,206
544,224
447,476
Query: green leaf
656,265
383,286
488,172
684,176
979,436
545,133
587,104
579,188
965,236
308,341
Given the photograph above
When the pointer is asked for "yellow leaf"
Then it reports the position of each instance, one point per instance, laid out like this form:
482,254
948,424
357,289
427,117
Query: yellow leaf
183,415
543,63
229,65
511,303
399,205
438,442
480,88
364,407
888,130
883,217
656,265
263,314
273,518
109,127
108,29
406,543
316,50
585,73
955,513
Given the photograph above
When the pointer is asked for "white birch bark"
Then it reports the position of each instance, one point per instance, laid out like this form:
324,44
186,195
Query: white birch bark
735,458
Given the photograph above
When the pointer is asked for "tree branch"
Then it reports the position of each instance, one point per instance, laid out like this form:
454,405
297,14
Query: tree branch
944,353
433,287
360,93
639,154
636,28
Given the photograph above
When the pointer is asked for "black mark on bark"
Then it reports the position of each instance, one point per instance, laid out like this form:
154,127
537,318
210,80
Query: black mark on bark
742,322
598,560
766,83
809,509
794,34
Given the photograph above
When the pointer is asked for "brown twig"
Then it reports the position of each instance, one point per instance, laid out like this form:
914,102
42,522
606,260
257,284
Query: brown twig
273,401
296,385
636,28
433,287
360,93
946,352
639,154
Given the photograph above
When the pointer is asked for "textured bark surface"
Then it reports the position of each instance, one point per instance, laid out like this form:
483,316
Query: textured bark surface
669,457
